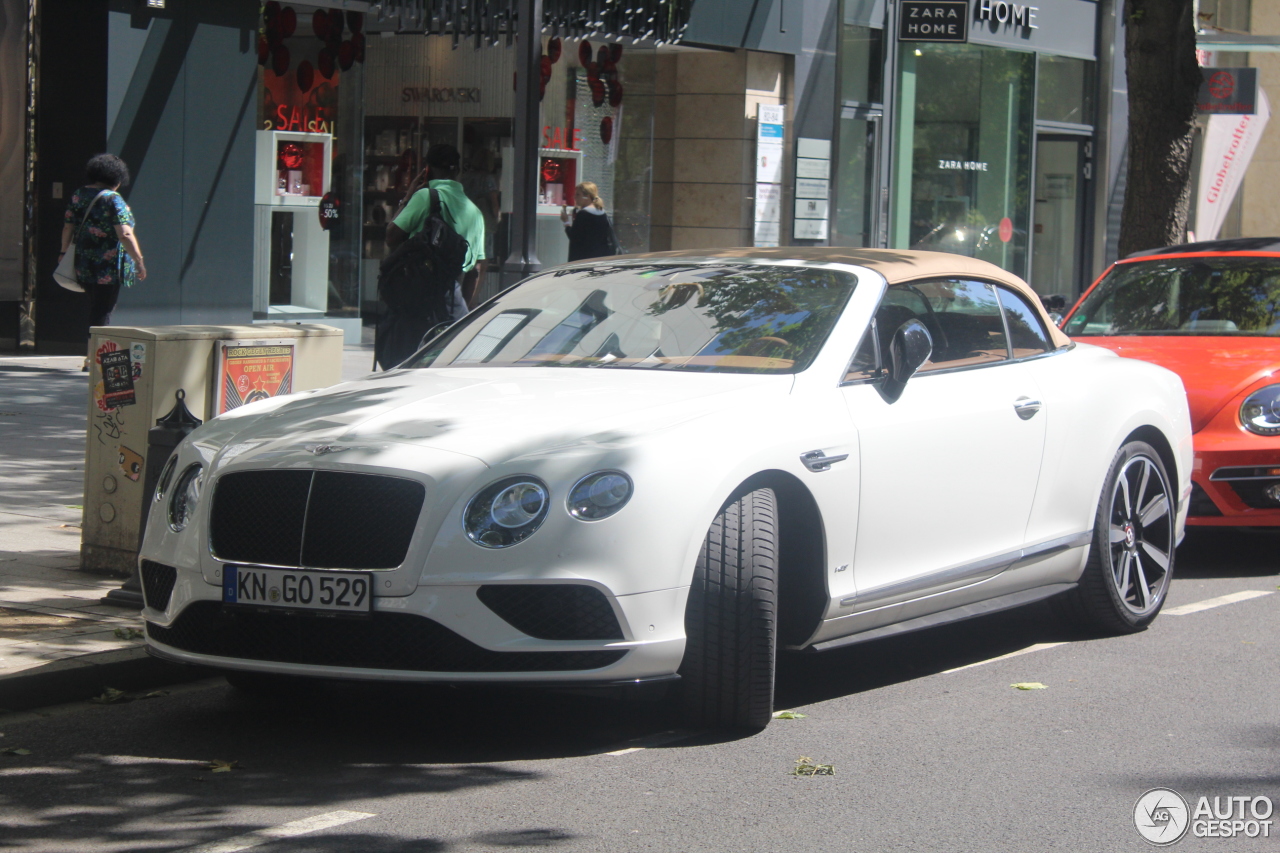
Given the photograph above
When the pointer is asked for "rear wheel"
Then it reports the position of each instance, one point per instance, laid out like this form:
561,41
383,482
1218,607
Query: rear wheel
731,619
1131,559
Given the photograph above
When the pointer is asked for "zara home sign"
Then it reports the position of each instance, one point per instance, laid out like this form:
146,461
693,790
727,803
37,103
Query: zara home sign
933,20
1006,14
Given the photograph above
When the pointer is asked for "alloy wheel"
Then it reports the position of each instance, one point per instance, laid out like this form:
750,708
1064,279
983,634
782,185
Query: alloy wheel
1141,535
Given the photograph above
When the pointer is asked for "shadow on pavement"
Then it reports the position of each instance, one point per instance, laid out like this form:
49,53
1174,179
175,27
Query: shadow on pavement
1223,553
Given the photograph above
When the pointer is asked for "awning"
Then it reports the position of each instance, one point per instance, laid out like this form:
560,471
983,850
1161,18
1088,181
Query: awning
1237,42
492,21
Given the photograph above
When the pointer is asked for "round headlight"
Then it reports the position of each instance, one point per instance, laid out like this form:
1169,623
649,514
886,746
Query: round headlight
1260,412
599,495
506,512
186,494
162,485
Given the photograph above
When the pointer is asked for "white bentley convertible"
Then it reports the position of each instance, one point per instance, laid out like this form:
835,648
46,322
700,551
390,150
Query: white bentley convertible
668,467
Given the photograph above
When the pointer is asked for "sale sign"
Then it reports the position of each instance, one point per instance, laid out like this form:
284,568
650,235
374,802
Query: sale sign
249,371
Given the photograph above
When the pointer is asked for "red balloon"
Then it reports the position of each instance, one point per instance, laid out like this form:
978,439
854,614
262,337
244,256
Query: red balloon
542,89
320,24
264,50
325,64
280,60
306,76
603,55
357,44
609,67
288,21
355,21
270,10
553,49
615,93
544,65
606,129
593,69
273,37
616,50
346,55
597,92
584,53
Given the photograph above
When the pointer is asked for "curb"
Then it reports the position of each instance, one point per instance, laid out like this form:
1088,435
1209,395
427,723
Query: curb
86,676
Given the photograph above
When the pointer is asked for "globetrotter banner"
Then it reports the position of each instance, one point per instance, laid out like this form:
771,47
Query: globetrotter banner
249,371
1229,143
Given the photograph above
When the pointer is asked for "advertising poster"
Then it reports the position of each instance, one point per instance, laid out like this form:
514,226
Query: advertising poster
249,371
117,379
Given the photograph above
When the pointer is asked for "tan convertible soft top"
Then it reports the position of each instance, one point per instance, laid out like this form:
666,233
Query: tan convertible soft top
896,265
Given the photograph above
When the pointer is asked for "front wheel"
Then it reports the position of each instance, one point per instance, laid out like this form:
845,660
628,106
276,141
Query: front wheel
731,619
1130,564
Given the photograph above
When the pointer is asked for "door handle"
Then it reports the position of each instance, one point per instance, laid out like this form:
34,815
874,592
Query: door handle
1026,407
816,460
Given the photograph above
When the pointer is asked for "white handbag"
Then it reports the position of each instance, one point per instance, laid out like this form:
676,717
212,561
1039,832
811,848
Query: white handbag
65,273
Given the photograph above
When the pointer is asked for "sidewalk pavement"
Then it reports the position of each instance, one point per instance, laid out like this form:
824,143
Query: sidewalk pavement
58,641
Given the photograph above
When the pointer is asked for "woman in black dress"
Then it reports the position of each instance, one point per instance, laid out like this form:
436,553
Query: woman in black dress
590,232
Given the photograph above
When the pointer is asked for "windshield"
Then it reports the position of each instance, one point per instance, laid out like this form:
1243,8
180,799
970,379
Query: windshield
1184,296
724,318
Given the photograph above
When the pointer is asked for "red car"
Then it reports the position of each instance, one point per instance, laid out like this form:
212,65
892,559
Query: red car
1210,312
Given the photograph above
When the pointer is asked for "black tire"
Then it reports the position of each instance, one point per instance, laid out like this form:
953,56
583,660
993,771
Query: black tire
731,619
1131,558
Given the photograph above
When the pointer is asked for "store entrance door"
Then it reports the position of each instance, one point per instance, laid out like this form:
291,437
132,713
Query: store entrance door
1058,261
858,192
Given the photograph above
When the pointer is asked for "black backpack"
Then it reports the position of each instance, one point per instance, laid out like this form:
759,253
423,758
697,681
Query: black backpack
416,279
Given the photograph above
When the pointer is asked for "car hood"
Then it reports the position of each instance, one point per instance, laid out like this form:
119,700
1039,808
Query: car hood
491,414
1215,370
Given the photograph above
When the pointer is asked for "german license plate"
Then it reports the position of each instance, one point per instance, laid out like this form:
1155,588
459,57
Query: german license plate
342,592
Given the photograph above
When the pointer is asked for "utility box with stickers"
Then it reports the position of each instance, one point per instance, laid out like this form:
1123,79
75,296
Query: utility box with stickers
134,375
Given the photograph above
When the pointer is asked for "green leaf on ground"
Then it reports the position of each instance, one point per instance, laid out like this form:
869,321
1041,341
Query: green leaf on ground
73,506
806,767
788,715
220,766
15,751
128,633
155,694
110,696
1029,685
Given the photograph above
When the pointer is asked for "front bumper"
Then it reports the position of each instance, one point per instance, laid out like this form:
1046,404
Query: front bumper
437,634
1222,495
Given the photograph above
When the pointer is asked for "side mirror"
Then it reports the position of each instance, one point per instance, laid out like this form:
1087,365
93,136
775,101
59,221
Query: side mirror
1056,318
908,351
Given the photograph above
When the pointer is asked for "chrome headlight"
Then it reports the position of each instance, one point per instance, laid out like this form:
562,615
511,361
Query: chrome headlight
1260,411
506,512
599,495
186,494
166,474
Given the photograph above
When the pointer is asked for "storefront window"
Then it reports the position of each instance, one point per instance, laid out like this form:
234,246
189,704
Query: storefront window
1065,90
861,64
963,164
307,164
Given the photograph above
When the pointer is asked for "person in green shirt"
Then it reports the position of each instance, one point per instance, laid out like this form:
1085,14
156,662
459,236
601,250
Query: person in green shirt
443,163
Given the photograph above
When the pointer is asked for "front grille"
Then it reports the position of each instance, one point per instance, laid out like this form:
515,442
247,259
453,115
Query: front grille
554,611
157,584
316,519
382,641
1253,493
1201,504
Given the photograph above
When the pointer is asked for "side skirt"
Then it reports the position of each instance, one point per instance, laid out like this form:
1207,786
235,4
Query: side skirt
955,614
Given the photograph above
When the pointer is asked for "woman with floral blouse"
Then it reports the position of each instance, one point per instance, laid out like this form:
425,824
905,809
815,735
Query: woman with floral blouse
107,251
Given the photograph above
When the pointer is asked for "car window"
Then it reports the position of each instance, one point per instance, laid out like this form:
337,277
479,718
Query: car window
1206,295
964,320
720,317
1027,335
865,364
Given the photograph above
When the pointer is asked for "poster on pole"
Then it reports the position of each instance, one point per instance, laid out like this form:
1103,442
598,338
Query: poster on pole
1229,143
770,136
249,371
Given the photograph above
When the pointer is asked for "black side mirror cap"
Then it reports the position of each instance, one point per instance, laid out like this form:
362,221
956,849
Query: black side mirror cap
908,351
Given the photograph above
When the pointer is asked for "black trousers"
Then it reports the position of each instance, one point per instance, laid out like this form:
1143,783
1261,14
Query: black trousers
102,301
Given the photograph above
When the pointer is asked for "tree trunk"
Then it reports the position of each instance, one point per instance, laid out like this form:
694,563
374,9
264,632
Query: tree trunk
1163,75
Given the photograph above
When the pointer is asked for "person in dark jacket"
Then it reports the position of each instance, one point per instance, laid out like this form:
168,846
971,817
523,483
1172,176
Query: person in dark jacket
590,232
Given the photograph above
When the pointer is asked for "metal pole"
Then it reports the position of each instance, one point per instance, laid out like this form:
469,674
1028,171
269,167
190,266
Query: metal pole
524,208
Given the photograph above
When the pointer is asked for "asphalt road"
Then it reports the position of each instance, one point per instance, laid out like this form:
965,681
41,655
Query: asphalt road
924,758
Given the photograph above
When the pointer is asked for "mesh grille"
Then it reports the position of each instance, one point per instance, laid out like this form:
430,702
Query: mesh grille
157,584
383,641
352,521
554,611
360,521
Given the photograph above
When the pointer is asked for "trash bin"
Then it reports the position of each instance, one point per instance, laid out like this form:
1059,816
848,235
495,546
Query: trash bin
134,375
